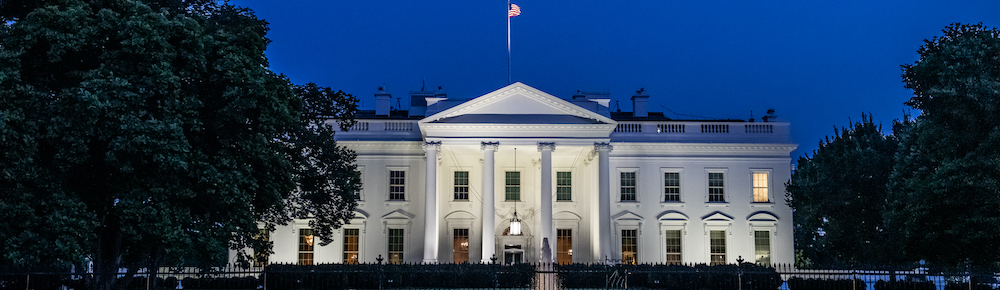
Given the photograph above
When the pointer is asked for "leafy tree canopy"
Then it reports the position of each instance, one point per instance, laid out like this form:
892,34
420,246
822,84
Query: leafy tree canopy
945,187
838,196
139,133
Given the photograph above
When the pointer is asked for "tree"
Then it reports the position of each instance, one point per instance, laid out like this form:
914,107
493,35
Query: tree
945,187
142,133
838,196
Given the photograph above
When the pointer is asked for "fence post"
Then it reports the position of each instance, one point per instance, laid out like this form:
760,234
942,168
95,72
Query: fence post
493,265
380,271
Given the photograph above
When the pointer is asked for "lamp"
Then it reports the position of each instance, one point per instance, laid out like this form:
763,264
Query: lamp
515,223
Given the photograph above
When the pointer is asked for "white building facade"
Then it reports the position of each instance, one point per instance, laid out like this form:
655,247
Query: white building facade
443,180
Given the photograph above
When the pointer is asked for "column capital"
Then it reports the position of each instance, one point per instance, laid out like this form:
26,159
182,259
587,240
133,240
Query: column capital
601,146
542,146
489,146
432,145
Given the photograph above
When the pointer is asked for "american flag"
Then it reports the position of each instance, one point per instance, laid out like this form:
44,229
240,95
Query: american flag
514,10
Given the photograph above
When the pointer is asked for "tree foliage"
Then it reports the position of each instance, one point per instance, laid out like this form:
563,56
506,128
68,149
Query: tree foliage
944,189
838,196
139,133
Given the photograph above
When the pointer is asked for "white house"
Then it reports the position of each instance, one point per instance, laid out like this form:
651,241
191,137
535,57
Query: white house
443,181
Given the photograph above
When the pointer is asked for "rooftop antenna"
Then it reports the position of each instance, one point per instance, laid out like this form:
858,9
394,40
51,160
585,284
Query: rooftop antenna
618,108
398,105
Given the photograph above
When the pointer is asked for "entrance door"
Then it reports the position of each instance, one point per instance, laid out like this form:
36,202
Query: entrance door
513,254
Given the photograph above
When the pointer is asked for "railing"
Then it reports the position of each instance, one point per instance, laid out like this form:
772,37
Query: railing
759,128
399,126
714,128
669,128
360,126
631,128
519,276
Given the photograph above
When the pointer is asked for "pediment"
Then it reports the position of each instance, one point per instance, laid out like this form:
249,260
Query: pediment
762,216
517,104
398,215
717,217
626,216
673,215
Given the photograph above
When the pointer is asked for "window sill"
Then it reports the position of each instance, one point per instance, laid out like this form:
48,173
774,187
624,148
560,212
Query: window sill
762,204
665,204
628,203
564,204
460,203
712,204
403,203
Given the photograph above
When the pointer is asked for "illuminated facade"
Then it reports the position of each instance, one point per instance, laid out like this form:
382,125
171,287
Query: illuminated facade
443,180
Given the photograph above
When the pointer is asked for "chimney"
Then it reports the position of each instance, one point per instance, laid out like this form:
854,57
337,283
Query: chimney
640,109
382,102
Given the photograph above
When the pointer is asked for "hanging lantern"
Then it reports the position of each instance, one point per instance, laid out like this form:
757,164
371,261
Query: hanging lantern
515,225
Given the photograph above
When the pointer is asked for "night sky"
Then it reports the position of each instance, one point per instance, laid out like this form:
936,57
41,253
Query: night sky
816,63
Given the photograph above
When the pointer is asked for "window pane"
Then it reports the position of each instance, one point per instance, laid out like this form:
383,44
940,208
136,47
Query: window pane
762,247
461,185
673,241
564,246
305,247
671,186
717,245
630,249
395,246
397,185
628,186
716,185
564,186
350,246
461,246
513,188
760,188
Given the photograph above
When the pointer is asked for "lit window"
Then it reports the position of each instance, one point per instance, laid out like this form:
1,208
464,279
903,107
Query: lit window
671,186
461,185
461,247
716,184
717,245
630,247
513,189
564,246
628,186
305,247
395,246
762,247
351,246
397,185
760,189
673,241
564,186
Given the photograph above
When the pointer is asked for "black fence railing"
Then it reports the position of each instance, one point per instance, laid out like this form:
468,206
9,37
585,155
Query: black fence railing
743,276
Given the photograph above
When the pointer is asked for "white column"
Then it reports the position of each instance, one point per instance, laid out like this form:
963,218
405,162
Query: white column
431,238
489,218
604,200
546,208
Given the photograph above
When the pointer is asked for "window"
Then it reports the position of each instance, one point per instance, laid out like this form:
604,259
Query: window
716,185
628,186
760,188
461,247
762,247
260,258
717,245
673,242
630,248
351,246
461,185
397,185
305,247
671,186
564,186
564,246
513,188
395,246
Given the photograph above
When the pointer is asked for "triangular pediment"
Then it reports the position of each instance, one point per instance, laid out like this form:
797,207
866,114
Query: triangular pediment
717,217
518,104
626,215
398,215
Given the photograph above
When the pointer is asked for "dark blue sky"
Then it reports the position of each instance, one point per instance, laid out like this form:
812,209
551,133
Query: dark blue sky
817,63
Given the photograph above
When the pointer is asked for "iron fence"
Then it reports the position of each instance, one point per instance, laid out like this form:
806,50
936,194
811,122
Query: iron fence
742,276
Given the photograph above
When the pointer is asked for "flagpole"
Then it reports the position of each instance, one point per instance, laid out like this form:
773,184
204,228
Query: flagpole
508,42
